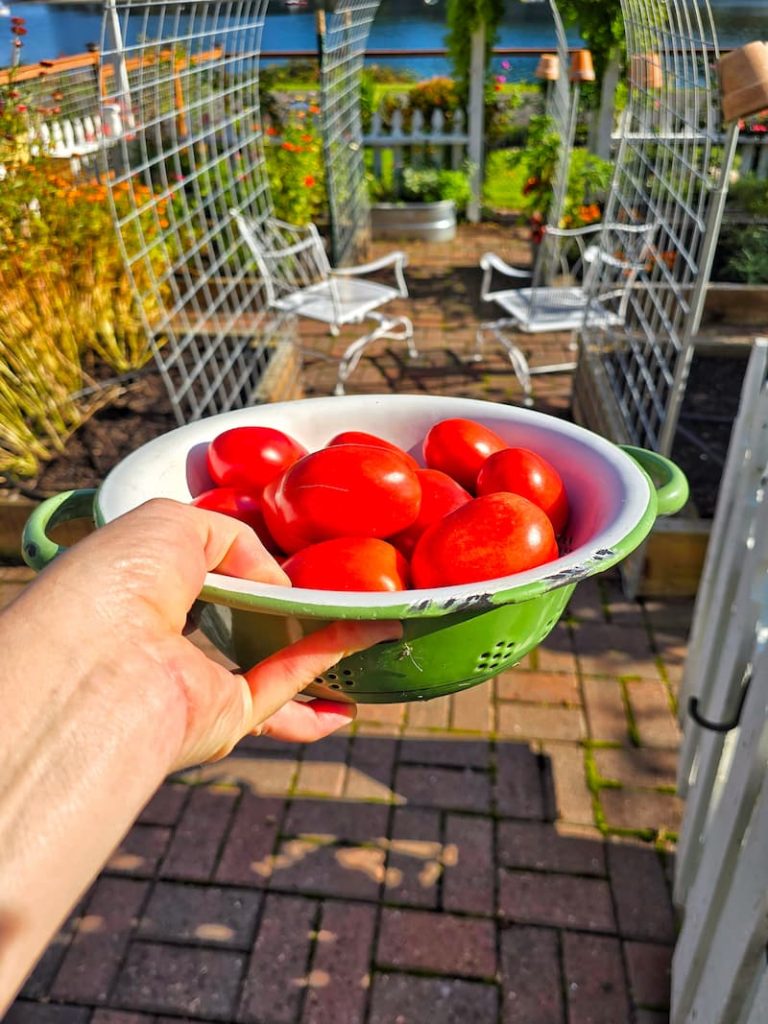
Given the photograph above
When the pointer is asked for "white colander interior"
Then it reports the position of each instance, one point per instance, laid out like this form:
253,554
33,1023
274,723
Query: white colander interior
608,494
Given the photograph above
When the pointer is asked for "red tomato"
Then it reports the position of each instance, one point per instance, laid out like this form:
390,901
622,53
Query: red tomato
492,536
250,457
440,494
459,448
348,563
349,490
524,472
289,536
239,505
360,437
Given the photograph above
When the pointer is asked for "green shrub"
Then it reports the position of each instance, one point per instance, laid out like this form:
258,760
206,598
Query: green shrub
421,185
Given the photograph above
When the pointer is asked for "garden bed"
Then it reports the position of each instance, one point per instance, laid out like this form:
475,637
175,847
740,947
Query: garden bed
139,411
671,561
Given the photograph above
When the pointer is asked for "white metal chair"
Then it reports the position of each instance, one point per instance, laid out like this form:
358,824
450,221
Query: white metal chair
544,308
298,278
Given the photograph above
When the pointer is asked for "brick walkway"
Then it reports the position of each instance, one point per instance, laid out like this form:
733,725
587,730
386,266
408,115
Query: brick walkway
497,857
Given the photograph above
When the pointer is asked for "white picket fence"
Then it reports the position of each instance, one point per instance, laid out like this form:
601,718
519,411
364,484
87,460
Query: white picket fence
77,138
412,145
753,155
720,974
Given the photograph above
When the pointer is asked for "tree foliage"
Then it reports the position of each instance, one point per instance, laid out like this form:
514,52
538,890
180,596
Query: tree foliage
463,17
601,26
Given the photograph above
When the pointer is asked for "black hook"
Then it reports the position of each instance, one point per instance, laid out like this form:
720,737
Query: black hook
705,723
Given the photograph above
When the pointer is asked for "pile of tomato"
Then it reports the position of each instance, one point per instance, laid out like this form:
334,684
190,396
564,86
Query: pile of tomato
361,514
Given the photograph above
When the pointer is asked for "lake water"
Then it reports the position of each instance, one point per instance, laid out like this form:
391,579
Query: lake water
56,30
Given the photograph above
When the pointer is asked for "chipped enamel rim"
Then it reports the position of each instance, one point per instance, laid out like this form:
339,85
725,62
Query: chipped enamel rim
156,470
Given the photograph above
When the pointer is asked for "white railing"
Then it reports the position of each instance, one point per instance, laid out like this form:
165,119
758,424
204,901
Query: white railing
413,144
719,972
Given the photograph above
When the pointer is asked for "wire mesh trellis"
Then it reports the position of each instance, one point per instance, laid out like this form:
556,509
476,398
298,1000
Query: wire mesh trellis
343,28
184,76
672,172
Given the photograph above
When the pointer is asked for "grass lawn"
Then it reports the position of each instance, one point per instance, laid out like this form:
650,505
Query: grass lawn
503,185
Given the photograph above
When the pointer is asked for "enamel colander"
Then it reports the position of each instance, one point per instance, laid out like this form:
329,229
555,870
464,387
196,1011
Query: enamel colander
454,637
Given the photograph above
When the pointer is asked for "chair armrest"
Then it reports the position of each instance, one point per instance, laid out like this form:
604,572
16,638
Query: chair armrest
398,260
489,262
587,229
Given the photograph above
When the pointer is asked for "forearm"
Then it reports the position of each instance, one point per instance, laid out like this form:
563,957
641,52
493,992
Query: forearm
79,760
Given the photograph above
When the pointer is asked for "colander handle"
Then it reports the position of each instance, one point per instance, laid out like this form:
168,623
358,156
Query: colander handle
668,480
37,548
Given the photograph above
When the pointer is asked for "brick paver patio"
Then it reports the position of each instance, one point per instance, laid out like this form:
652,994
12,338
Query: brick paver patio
497,857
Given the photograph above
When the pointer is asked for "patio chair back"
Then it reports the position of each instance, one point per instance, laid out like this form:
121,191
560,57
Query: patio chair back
289,257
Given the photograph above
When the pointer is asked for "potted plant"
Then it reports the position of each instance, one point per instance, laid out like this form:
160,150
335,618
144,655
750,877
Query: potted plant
420,203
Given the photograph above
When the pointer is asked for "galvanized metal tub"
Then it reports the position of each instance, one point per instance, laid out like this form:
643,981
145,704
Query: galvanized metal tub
428,222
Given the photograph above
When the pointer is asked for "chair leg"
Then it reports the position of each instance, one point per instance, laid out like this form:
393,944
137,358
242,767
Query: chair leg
523,371
397,328
413,352
519,365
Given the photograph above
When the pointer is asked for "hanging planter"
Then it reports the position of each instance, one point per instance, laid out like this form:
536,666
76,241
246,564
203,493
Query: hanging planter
744,81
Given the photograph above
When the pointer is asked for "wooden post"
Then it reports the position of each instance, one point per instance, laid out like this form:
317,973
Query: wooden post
178,98
476,122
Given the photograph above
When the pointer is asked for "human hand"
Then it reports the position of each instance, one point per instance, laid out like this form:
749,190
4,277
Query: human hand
128,588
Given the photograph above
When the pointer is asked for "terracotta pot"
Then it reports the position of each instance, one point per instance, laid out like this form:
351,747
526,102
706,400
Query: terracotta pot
645,71
582,68
744,80
548,67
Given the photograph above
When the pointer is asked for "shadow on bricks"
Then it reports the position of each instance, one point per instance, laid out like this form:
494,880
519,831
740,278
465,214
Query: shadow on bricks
364,880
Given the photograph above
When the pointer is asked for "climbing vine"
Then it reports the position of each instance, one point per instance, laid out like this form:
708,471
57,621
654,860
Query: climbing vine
600,25
463,17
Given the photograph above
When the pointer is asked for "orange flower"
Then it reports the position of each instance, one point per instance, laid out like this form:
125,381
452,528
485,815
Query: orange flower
314,109
309,181
271,130
306,137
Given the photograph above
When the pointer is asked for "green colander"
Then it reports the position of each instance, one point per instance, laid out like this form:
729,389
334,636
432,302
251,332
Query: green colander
453,637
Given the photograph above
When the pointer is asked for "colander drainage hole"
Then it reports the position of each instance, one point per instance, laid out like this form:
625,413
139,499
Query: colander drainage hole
331,675
334,686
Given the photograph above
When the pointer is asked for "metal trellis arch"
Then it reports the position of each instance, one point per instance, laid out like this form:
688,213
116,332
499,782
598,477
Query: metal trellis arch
672,172
343,28
184,79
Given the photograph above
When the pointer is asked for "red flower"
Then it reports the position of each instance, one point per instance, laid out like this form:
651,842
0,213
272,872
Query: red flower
309,181
271,131
18,30
21,108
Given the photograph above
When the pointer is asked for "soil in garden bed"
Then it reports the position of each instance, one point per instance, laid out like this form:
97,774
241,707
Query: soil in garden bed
140,412
709,410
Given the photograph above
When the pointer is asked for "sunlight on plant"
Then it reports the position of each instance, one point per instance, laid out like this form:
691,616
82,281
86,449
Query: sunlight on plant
295,168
